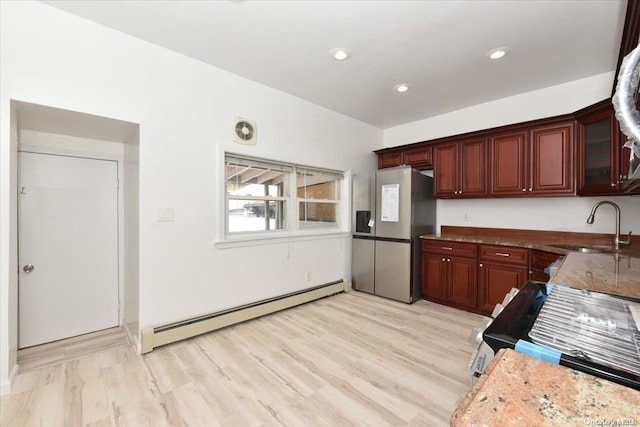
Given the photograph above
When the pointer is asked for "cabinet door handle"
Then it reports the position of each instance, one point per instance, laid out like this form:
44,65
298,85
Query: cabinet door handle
613,184
480,265
443,260
446,248
448,259
501,254
530,189
524,189
460,192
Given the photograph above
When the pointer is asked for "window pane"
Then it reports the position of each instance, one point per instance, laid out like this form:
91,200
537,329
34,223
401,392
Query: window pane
316,186
317,214
245,180
317,189
256,215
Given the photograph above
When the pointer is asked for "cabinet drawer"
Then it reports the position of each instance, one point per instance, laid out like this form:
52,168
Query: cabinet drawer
504,254
446,247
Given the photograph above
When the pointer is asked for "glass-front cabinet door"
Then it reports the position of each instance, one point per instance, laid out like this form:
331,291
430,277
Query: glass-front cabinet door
599,147
597,153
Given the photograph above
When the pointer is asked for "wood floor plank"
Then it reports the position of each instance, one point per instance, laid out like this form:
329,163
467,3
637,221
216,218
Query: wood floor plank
350,359
70,349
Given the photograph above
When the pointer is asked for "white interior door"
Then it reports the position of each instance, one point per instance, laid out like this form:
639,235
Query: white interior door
68,247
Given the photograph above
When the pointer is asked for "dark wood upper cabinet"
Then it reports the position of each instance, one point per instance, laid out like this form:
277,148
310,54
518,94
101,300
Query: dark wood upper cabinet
536,161
602,162
390,159
419,157
445,170
508,162
552,160
460,169
473,168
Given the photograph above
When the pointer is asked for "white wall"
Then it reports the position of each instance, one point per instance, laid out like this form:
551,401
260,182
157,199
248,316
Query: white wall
131,242
185,109
67,144
536,213
542,213
8,244
552,101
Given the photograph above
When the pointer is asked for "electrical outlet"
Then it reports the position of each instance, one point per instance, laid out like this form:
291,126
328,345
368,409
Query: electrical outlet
165,215
308,276
467,217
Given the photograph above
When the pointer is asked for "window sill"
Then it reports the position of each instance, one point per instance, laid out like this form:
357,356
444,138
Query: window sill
238,242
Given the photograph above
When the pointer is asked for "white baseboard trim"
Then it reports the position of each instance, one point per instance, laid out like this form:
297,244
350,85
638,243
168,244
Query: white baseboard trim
5,386
132,337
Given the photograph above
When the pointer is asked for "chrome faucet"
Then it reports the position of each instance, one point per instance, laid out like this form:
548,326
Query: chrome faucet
617,241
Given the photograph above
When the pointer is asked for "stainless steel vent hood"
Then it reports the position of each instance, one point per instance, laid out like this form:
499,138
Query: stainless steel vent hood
625,101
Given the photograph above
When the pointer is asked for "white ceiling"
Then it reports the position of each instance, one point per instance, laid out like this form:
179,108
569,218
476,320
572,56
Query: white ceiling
437,47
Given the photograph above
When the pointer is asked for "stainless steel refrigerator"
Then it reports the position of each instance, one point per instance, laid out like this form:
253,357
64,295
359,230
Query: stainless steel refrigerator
391,209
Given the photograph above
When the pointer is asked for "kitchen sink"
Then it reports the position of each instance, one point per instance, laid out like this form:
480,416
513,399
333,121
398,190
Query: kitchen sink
583,249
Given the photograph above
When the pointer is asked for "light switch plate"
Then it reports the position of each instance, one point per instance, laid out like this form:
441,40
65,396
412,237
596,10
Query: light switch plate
165,215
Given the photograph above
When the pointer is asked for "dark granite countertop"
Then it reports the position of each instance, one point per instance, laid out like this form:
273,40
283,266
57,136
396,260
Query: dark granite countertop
529,243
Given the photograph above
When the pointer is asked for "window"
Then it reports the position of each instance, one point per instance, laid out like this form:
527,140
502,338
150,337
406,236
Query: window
257,194
318,195
266,196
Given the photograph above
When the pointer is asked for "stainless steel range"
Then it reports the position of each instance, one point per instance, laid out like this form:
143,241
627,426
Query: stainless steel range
588,331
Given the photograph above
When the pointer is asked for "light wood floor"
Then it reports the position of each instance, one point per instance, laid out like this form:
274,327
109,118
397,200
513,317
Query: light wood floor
42,356
350,359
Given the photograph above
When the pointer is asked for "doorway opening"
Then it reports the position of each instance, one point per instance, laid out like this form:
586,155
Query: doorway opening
96,149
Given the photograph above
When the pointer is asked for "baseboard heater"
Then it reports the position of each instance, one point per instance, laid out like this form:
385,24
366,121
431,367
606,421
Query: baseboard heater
153,337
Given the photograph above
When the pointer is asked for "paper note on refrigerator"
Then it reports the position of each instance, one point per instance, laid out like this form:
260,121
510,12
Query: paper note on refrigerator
390,202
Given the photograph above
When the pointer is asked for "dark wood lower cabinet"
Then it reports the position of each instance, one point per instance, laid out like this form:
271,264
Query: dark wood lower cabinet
450,280
462,281
496,280
539,261
433,277
472,277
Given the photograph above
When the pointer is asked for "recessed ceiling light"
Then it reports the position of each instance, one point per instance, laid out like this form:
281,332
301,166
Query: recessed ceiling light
497,53
401,87
340,54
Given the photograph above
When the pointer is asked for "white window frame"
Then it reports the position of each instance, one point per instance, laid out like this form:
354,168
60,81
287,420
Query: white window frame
292,227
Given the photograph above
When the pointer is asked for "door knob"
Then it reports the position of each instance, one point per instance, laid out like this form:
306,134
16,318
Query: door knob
28,268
